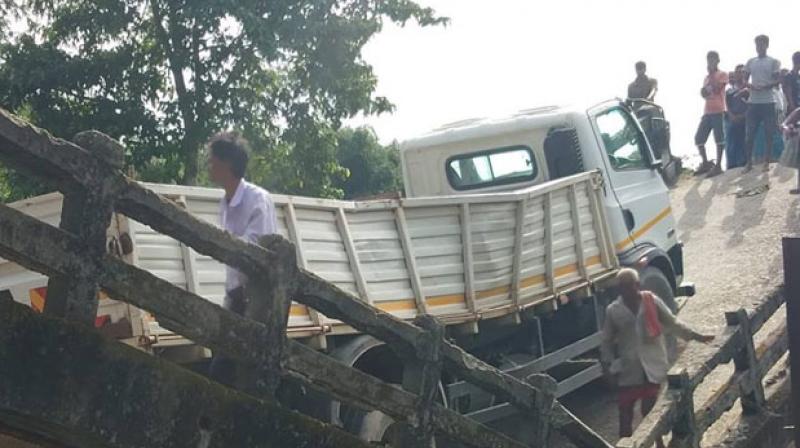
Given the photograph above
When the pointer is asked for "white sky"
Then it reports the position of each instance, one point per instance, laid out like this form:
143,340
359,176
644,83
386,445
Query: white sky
500,56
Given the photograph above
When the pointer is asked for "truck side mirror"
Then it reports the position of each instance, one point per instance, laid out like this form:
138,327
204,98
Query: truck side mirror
657,133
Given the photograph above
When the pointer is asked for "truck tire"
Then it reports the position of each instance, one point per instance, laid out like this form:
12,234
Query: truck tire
654,280
378,427
373,356
350,354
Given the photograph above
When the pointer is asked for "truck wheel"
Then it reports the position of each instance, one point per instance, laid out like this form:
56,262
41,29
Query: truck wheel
353,354
654,280
377,427
372,356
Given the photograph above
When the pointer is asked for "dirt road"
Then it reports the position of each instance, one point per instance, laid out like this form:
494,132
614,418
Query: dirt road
732,252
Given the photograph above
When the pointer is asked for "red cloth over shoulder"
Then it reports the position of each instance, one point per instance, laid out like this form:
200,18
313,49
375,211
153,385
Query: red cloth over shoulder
651,321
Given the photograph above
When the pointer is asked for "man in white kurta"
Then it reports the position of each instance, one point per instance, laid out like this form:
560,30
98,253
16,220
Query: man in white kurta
639,364
247,212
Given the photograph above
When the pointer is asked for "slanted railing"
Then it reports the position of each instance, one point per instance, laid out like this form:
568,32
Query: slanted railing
74,258
675,410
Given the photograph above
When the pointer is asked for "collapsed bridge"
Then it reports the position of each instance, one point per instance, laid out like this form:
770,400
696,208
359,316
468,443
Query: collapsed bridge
65,383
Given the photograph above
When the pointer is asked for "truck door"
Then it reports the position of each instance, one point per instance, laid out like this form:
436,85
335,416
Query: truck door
634,179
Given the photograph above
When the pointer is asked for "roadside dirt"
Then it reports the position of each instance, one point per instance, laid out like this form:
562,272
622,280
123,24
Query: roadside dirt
733,254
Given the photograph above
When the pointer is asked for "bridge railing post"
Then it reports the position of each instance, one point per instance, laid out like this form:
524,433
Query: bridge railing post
85,213
685,433
543,408
421,376
269,302
745,360
791,276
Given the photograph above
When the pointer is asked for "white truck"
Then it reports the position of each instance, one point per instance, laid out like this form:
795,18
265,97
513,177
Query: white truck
509,232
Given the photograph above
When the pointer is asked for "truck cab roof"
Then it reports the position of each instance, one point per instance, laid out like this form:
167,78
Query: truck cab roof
479,127
483,155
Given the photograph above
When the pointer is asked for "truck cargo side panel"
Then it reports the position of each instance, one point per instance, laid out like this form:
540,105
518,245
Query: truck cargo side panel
425,268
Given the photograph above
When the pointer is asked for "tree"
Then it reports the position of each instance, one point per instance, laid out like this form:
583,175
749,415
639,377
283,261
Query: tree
372,168
164,75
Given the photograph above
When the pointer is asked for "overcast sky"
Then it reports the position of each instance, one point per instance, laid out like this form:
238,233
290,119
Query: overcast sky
500,56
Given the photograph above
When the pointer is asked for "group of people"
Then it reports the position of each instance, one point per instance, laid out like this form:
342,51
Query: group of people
743,105
760,94
744,110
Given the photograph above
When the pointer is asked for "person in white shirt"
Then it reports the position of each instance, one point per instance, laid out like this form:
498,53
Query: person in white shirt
633,352
762,74
247,212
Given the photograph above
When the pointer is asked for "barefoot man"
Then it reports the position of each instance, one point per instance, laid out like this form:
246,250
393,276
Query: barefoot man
633,352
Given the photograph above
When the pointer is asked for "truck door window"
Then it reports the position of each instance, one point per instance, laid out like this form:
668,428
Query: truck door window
493,167
622,140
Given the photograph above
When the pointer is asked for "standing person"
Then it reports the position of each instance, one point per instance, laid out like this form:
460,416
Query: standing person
791,153
762,75
713,115
634,325
791,84
736,102
246,211
643,87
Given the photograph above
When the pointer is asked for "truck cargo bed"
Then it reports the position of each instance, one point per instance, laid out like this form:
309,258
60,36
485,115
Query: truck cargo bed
461,258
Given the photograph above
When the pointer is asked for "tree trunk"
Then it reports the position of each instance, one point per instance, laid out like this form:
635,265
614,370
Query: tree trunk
190,145
191,158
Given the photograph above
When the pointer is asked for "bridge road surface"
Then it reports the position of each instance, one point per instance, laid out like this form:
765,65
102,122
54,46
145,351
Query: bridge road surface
732,251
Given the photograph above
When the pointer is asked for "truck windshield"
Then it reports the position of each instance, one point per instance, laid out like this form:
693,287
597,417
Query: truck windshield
493,167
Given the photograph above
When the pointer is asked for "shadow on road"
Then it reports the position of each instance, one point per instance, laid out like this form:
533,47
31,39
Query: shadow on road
748,211
697,205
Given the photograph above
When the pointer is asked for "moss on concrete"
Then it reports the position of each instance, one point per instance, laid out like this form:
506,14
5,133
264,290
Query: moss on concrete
71,384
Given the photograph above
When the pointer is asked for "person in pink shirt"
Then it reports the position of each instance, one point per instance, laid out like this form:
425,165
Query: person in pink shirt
713,92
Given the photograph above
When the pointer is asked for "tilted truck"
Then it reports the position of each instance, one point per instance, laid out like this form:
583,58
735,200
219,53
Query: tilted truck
510,232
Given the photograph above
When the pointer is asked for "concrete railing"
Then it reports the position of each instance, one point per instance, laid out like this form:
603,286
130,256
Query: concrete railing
675,410
73,256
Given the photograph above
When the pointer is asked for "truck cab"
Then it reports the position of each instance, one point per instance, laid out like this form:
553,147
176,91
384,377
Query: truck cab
538,145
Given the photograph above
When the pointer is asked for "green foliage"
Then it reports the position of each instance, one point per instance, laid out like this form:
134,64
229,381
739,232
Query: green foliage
164,75
372,168
16,185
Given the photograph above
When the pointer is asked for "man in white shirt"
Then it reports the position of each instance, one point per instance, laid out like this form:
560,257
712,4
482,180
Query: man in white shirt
762,76
633,351
247,212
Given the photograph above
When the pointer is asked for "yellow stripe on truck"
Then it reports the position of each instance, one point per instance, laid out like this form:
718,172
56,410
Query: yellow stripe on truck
298,310
37,297
456,299
629,241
